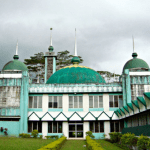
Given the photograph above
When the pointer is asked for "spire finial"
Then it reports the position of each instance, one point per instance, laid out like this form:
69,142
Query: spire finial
133,43
17,48
134,54
75,47
16,55
51,37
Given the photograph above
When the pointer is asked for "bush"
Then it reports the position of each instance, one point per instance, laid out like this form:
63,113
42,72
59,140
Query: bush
54,145
115,137
143,142
52,137
90,134
24,135
92,144
40,136
129,140
35,133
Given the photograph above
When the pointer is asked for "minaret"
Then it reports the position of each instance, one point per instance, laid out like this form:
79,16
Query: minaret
50,60
16,56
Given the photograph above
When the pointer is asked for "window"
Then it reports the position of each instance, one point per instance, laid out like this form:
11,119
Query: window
35,125
96,126
55,102
116,126
96,101
75,102
55,127
35,101
115,101
136,90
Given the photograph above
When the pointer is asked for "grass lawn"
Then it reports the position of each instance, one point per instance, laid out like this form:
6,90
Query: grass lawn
74,145
12,143
107,145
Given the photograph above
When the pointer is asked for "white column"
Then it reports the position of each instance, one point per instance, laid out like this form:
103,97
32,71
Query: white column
85,102
65,102
65,129
107,128
85,128
106,102
45,102
44,129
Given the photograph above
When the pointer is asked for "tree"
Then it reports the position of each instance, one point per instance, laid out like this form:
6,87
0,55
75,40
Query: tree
36,64
36,67
64,59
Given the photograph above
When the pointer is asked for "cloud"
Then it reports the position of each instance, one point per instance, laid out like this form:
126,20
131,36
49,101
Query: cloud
104,30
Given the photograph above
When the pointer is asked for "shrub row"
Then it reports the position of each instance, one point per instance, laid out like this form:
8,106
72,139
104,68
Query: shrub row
24,135
129,140
92,144
52,137
56,145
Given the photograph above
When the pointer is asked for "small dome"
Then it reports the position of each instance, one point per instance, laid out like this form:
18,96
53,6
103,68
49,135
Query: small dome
15,65
75,74
135,63
51,48
75,59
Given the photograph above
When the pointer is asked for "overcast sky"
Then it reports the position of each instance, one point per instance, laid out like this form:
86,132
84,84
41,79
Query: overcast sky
104,30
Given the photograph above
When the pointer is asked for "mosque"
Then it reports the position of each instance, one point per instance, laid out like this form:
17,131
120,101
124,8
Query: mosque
75,99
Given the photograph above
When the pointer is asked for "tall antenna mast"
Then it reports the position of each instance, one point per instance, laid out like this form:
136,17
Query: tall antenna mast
51,37
133,43
75,47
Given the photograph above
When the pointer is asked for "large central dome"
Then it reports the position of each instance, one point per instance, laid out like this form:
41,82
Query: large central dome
75,74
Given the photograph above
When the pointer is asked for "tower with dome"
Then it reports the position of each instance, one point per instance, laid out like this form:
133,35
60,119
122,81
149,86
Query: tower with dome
75,99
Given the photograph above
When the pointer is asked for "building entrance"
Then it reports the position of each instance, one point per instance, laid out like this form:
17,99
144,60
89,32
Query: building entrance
76,129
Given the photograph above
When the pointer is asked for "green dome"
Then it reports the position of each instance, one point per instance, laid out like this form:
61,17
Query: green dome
51,48
75,74
15,65
75,59
135,63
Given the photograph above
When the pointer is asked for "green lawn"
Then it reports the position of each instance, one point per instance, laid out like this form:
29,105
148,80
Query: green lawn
107,145
74,145
12,143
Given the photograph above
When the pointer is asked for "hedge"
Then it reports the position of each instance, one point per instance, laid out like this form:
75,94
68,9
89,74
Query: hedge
92,144
56,145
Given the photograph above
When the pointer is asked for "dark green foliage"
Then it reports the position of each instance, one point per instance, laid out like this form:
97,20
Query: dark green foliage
143,142
115,137
90,134
35,133
24,135
129,140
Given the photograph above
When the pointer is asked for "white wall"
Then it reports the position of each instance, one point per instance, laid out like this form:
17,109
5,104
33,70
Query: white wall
65,129
44,129
85,128
107,128
65,102
85,102
45,102
106,102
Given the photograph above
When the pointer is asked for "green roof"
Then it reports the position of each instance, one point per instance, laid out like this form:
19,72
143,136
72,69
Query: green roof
15,65
75,74
135,63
